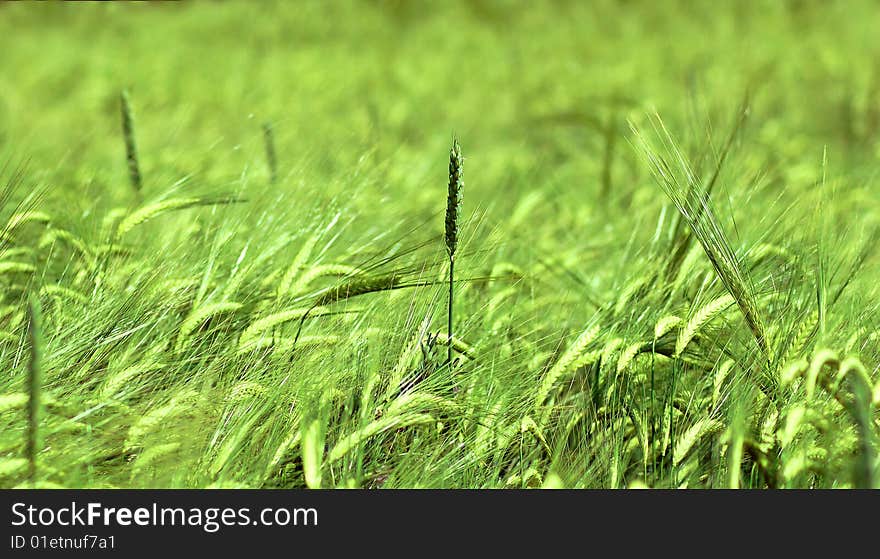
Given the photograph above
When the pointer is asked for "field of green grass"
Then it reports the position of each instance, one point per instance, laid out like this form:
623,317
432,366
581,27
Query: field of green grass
665,272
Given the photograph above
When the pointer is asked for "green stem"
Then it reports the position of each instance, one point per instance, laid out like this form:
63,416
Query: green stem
34,386
451,283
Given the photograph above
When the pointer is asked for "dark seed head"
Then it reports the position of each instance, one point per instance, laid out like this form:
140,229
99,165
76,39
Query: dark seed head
453,202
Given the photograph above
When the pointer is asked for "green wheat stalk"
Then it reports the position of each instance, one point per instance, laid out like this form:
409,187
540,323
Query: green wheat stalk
131,155
34,383
453,211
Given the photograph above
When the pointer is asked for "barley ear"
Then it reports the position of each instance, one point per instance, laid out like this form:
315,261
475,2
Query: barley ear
35,333
453,209
131,155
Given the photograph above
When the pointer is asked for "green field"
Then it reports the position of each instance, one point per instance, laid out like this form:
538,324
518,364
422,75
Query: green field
665,272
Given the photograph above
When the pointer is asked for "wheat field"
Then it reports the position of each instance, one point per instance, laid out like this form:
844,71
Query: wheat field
229,231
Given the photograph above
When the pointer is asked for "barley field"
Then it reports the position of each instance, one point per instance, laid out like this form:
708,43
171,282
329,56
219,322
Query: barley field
482,244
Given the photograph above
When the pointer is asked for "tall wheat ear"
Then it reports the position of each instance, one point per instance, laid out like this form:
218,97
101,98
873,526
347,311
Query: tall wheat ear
453,216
